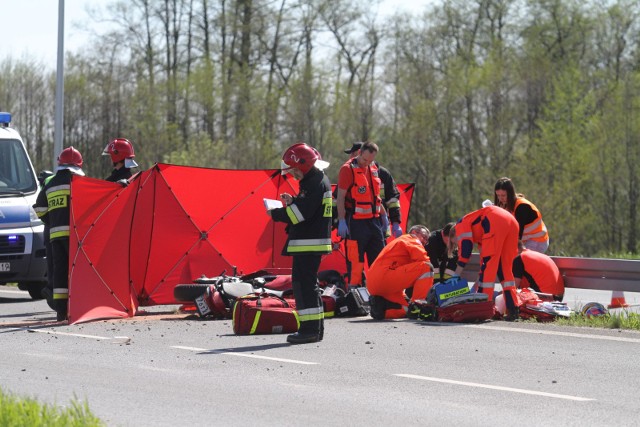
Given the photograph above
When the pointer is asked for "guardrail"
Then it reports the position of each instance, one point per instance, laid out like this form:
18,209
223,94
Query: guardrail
585,273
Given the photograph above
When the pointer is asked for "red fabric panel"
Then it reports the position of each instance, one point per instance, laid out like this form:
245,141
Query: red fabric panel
98,254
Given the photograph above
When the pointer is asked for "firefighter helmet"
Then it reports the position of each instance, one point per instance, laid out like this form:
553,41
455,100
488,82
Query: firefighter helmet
303,157
70,156
119,149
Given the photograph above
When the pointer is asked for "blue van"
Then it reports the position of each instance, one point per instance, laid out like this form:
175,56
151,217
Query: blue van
22,248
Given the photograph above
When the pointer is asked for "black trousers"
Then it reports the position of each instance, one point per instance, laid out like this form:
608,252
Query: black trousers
60,252
304,278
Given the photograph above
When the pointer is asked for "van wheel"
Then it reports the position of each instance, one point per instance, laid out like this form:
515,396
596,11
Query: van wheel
189,292
35,290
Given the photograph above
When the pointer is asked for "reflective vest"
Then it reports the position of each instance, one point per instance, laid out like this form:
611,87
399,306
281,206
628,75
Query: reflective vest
365,191
536,230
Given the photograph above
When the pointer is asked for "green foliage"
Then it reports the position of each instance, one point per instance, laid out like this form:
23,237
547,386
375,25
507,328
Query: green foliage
17,412
544,92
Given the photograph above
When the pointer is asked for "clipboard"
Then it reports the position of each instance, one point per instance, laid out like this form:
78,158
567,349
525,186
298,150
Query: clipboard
272,204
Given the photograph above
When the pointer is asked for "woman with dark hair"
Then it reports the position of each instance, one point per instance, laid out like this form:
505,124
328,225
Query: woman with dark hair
533,232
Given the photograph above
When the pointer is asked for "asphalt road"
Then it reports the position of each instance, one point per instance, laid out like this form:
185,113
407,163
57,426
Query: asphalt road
167,369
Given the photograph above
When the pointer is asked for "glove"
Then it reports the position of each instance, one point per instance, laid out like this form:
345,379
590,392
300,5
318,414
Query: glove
123,182
396,230
343,230
385,222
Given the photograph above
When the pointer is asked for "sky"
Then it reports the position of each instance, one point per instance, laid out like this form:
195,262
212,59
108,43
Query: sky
30,27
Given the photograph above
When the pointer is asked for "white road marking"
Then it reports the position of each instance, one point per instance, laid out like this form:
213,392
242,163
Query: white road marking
253,356
557,333
496,387
95,337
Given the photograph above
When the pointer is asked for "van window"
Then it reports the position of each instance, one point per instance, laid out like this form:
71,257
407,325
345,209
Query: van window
15,168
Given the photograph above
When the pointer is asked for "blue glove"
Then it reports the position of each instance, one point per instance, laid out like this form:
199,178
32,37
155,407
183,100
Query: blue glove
396,230
385,222
343,230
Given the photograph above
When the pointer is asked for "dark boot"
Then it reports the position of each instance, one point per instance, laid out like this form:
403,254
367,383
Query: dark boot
513,312
304,338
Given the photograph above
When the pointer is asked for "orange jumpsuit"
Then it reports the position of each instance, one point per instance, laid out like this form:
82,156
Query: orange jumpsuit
401,264
496,232
539,272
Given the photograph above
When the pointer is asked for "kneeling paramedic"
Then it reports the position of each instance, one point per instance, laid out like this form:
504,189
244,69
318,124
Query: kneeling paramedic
308,219
402,264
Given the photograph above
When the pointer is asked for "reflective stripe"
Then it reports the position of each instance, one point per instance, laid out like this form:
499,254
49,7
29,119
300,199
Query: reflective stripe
509,284
436,270
62,231
425,275
255,322
60,293
294,214
313,313
40,211
450,272
531,227
63,188
465,235
533,236
364,211
310,245
487,285
327,195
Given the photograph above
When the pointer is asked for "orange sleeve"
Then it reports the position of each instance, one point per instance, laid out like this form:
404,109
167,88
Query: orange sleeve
345,177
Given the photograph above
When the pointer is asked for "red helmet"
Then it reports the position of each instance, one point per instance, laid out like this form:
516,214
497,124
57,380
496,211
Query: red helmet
119,149
70,156
303,157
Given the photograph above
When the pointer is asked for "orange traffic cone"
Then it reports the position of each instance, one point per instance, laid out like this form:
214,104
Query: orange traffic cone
617,300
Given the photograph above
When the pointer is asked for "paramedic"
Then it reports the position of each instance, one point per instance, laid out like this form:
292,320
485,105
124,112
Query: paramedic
537,271
121,152
532,232
308,219
496,232
362,220
402,264
52,207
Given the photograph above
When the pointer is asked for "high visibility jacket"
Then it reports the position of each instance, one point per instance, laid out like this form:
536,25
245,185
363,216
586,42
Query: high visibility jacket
308,216
363,197
530,230
52,204
539,272
403,250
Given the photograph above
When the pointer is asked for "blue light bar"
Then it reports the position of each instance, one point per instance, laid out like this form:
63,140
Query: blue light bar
5,119
13,237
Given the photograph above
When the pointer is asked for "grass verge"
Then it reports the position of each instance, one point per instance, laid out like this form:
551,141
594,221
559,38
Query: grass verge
16,412
620,320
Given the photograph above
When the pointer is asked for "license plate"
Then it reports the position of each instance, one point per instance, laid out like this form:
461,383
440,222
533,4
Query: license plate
5,266
201,304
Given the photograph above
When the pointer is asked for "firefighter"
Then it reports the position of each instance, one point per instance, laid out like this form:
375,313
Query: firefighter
496,232
121,152
533,232
362,219
308,219
402,264
537,271
52,207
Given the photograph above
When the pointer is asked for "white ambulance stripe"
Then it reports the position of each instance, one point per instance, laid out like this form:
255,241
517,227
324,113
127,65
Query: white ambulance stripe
252,356
497,387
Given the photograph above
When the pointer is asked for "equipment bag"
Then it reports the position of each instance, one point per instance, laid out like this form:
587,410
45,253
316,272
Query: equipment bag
353,303
263,314
473,307
452,287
